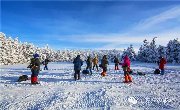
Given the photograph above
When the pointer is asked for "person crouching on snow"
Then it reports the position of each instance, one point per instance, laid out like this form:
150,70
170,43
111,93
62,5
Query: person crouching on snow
116,61
104,63
77,67
162,63
35,68
126,67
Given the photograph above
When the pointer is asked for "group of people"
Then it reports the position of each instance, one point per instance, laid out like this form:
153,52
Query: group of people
104,64
35,66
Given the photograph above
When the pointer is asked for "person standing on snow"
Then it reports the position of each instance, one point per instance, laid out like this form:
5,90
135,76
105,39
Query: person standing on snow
126,67
35,68
77,67
46,61
162,63
95,63
116,61
104,63
89,64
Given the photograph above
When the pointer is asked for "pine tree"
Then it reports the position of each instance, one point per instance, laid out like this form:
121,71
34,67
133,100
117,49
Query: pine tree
130,52
152,51
173,51
162,51
148,51
142,53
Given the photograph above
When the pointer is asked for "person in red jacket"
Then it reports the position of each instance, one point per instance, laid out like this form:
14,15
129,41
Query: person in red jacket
126,67
162,63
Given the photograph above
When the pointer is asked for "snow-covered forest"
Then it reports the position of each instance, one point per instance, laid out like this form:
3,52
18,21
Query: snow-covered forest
13,51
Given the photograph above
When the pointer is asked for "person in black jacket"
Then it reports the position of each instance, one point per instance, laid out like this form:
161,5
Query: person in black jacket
103,65
116,61
77,67
35,68
46,61
89,64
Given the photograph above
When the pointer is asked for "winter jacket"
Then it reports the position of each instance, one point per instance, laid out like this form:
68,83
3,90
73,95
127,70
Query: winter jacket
89,62
35,64
126,62
162,63
77,63
46,61
95,61
116,60
104,63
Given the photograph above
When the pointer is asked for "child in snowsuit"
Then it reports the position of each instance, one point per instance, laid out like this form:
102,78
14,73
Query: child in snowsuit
77,67
162,62
89,64
104,63
95,63
46,61
126,68
116,61
35,68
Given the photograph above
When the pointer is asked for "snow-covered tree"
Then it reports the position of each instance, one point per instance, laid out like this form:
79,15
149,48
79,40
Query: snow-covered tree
142,53
148,51
162,51
173,51
13,51
130,52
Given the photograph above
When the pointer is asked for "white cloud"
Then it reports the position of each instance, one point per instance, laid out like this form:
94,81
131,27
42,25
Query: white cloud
149,23
133,36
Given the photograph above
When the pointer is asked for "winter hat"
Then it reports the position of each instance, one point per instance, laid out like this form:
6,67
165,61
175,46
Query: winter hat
78,56
36,55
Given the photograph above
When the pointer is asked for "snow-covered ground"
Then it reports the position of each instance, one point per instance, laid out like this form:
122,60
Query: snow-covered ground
58,91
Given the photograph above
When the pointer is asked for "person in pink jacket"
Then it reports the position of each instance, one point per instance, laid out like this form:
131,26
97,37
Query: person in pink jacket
126,68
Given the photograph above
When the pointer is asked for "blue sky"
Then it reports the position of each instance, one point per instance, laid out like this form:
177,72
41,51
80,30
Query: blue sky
93,25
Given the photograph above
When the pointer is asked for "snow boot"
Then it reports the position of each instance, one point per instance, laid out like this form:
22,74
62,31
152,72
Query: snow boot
34,79
117,68
129,78
103,74
79,77
126,79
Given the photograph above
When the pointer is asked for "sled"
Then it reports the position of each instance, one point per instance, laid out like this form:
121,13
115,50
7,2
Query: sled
85,72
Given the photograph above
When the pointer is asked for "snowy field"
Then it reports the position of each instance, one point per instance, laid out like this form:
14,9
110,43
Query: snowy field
58,91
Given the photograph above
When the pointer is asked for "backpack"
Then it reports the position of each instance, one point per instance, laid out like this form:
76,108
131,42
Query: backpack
85,71
157,71
140,73
23,78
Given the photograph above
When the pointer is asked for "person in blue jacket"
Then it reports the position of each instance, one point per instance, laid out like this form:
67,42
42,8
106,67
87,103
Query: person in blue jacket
77,67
